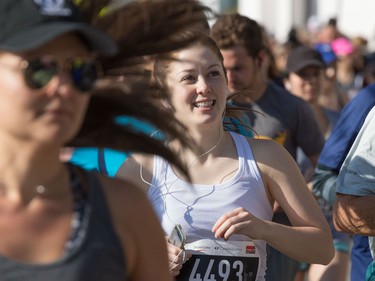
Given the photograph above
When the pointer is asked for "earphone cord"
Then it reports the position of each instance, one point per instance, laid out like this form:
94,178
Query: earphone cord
172,265
190,165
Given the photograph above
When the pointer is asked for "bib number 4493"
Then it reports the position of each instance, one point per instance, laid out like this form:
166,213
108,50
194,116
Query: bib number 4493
219,268
224,268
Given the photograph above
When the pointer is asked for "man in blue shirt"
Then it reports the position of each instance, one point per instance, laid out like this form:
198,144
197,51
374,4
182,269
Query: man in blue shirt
331,159
354,208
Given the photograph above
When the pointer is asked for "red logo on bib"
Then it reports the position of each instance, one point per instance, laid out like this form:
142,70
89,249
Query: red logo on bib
250,249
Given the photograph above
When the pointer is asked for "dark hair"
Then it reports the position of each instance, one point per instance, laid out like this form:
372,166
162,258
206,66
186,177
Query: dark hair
139,30
272,71
235,29
332,22
293,40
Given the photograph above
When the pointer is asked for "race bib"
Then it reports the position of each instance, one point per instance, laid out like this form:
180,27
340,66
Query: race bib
215,260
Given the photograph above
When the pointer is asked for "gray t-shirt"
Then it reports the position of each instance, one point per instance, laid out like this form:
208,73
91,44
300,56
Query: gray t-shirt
287,119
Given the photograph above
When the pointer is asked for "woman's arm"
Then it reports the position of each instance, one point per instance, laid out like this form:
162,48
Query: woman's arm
139,231
309,238
137,169
355,214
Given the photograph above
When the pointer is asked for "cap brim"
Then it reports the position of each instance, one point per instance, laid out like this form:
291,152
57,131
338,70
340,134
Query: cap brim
36,36
304,64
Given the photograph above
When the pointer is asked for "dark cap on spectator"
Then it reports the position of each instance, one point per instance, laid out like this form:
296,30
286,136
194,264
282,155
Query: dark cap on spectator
28,24
301,57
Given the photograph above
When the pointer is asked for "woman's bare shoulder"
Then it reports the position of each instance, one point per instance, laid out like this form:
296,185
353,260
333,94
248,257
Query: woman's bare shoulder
123,198
121,190
270,155
138,170
133,219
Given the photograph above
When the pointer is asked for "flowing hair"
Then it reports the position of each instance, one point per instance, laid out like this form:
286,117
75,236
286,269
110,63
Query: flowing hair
142,30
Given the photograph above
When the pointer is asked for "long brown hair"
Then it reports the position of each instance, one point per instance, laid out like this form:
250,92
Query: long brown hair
141,29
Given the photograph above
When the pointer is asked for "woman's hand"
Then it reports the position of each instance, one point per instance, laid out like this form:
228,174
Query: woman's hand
176,257
238,221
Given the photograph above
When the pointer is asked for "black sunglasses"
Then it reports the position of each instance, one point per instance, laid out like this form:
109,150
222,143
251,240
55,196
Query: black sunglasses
39,71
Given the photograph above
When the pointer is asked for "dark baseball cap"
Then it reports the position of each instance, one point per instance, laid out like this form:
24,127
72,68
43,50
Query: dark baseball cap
28,24
301,57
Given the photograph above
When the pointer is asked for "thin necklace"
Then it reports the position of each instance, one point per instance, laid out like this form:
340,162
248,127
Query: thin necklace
189,207
187,215
190,165
193,162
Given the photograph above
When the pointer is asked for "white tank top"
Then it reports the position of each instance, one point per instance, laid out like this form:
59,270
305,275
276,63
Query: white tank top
196,207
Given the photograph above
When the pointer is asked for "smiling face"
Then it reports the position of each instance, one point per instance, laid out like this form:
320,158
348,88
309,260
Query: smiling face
196,81
52,114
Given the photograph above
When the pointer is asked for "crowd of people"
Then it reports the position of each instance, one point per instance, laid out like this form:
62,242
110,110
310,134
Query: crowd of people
344,96
141,144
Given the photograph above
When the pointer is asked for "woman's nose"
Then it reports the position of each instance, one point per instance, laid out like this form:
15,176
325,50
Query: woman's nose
202,86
